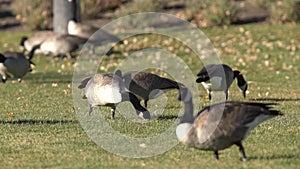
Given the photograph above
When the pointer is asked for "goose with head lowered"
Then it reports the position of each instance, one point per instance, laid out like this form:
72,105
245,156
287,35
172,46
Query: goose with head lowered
16,64
221,125
147,85
221,77
27,43
53,43
109,90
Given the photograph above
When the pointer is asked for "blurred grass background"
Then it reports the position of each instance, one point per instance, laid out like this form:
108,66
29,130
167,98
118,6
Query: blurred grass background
37,14
39,127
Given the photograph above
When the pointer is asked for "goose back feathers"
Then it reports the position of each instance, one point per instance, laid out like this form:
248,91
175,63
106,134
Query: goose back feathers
221,125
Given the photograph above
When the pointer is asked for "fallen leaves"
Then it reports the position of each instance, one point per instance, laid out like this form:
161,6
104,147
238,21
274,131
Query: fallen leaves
10,114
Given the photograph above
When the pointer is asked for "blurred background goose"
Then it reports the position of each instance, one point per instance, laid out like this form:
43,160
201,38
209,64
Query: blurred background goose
62,45
147,85
52,43
221,77
95,35
109,90
27,43
16,64
236,120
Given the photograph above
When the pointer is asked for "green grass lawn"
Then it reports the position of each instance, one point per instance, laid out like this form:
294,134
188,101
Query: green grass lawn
39,127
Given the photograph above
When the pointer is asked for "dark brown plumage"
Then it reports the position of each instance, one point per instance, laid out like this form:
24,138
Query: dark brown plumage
221,125
147,85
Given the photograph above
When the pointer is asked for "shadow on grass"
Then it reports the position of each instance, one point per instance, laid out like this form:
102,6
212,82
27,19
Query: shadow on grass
167,117
274,157
277,99
37,122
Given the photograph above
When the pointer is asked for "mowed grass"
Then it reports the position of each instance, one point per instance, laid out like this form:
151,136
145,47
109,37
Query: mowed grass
39,127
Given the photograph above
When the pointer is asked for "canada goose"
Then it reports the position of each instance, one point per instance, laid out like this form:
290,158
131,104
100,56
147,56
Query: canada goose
53,43
95,35
109,90
27,43
221,125
147,85
62,45
221,77
15,64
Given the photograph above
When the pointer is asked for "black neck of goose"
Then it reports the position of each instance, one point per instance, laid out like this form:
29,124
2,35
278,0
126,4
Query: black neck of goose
31,53
23,39
240,80
126,96
188,112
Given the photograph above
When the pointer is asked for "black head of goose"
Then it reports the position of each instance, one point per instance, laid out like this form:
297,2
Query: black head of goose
109,90
147,85
15,64
234,122
221,77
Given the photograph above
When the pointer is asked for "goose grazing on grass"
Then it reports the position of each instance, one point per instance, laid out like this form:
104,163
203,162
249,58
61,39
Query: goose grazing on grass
27,43
62,45
221,77
53,43
221,125
109,90
15,64
147,85
96,35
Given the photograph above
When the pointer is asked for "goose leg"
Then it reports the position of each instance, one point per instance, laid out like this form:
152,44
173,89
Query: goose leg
90,110
209,95
112,112
216,154
226,94
242,150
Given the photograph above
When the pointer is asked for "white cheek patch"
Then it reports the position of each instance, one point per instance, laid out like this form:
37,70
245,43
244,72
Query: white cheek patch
182,131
